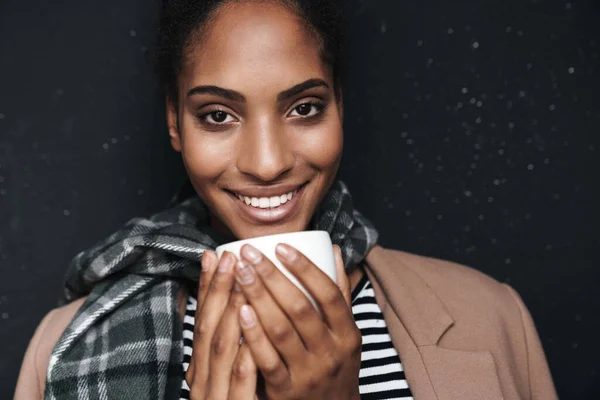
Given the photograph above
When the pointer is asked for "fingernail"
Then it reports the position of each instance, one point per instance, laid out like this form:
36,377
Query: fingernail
205,260
244,274
339,250
251,253
246,317
225,263
237,287
284,251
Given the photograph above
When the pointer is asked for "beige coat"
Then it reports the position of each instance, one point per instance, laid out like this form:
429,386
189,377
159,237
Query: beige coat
460,334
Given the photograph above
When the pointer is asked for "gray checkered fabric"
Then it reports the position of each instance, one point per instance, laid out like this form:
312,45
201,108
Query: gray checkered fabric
125,342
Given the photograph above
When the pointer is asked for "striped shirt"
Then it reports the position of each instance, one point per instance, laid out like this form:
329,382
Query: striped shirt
381,374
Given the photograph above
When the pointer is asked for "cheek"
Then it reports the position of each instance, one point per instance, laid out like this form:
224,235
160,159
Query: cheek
322,146
205,157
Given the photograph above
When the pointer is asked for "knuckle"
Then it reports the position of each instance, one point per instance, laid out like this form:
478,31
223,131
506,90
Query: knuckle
218,346
302,309
265,268
353,344
204,284
242,370
333,365
201,328
272,368
304,265
357,343
213,286
256,290
331,297
312,383
280,334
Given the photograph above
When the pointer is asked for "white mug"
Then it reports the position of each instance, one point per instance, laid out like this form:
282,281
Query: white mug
315,245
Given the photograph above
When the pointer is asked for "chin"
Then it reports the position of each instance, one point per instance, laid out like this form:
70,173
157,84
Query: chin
251,231
246,229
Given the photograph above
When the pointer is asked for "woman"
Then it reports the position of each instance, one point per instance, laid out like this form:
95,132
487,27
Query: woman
254,105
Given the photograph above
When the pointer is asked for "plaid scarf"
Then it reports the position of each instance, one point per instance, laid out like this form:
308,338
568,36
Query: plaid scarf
125,341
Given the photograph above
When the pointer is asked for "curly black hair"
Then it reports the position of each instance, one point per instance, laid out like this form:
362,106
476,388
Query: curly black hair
181,24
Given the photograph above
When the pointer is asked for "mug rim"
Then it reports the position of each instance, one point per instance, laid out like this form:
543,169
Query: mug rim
271,236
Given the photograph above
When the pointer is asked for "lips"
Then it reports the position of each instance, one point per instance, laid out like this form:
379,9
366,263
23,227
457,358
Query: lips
269,209
267,202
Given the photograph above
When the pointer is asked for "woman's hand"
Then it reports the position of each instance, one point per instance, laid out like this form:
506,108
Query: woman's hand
220,368
299,354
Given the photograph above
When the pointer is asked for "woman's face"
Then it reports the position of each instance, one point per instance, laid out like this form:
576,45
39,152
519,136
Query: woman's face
258,121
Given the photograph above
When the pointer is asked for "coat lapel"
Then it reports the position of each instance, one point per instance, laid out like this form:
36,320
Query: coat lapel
417,320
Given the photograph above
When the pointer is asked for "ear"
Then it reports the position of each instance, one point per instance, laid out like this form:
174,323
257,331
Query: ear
173,124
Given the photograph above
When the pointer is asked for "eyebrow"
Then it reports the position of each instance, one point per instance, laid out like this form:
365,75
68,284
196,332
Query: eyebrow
218,91
301,87
240,98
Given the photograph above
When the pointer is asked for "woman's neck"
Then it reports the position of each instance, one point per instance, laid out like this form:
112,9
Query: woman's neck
223,233
355,276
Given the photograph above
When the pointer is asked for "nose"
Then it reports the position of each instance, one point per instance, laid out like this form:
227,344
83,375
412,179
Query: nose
265,151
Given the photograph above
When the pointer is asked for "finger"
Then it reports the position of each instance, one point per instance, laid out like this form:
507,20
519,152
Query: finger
342,280
275,322
208,315
327,295
208,262
224,348
244,375
264,354
296,306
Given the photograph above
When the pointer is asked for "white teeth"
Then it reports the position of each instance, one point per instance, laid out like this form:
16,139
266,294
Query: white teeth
267,202
274,201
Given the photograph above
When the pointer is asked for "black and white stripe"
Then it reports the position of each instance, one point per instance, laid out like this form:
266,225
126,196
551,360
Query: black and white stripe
188,336
381,374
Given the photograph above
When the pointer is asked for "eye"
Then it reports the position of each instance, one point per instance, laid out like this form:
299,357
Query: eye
217,117
306,110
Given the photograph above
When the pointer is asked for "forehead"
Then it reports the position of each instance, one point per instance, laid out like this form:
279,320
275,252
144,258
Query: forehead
257,45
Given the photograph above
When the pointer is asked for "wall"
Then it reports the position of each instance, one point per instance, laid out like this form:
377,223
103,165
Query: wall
471,135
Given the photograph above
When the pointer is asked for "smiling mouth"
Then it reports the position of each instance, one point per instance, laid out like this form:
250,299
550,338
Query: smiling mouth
267,202
269,209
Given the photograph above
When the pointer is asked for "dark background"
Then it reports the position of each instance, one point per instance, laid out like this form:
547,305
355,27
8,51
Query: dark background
471,135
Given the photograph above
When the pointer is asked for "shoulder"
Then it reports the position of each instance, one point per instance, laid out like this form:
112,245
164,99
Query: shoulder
441,274
481,313
32,377
463,290
54,324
